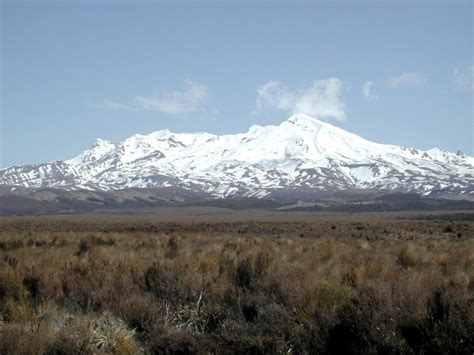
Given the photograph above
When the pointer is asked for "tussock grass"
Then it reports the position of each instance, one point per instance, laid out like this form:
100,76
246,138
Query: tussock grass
361,287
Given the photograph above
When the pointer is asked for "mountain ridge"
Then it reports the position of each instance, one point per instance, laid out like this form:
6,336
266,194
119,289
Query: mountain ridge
301,154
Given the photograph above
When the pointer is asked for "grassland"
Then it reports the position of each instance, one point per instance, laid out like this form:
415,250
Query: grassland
214,281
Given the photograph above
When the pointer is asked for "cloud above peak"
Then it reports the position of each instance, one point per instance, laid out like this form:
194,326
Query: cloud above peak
191,99
367,91
321,100
464,78
194,97
406,79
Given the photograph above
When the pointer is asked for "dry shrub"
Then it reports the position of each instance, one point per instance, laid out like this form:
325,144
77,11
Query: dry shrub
406,257
250,271
11,261
11,244
11,285
110,334
71,340
167,283
85,247
142,313
172,248
322,297
81,284
447,327
195,318
15,339
365,326
244,343
42,285
175,342
93,283
18,311
103,286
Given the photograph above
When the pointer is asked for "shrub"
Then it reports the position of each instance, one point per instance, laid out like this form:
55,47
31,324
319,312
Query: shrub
11,285
84,284
111,334
249,272
447,327
142,313
165,283
406,257
85,246
362,328
32,285
174,343
73,340
77,286
172,248
17,340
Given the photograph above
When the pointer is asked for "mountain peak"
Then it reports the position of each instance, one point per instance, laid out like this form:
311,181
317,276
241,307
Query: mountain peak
163,133
102,142
302,118
303,153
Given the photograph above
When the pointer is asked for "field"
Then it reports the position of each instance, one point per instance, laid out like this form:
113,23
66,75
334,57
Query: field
211,280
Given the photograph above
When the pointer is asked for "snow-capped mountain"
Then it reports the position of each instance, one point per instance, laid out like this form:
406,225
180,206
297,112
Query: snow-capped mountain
302,154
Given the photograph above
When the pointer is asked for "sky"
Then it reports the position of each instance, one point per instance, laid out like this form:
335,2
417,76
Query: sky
392,72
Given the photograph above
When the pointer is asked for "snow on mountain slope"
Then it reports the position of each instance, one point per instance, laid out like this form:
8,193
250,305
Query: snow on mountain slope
302,153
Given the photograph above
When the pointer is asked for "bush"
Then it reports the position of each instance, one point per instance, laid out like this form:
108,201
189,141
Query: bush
70,341
446,329
11,285
16,340
175,343
166,283
73,286
142,313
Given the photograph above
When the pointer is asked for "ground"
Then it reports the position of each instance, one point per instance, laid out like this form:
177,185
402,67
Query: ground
212,280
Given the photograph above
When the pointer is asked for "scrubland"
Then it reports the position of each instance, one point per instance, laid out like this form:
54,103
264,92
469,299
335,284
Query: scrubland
324,286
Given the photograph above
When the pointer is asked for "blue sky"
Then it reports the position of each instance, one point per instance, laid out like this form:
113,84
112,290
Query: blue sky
398,73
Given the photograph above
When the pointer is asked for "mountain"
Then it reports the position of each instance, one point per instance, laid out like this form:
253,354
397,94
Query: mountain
300,157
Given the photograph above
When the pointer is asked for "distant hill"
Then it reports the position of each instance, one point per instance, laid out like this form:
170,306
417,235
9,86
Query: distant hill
57,201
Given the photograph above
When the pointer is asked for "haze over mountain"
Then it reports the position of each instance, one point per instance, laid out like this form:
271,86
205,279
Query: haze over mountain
301,155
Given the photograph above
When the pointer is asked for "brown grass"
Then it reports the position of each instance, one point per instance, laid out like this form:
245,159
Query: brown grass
75,286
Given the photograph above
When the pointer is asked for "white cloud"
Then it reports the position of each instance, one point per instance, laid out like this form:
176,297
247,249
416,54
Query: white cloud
114,105
193,98
367,91
321,100
406,79
464,79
